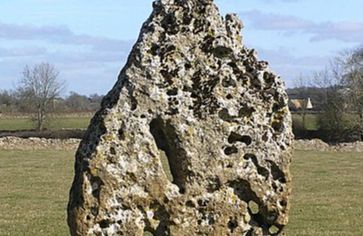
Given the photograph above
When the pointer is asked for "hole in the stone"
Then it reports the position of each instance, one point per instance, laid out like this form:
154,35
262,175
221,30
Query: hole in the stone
173,111
181,190
276,107
187,66
274,186
230,150
172,156
104,224
228,82
211,219
155,49
245,111
94,210
222,52
253,206
96,184
121,134
269,78
229,165
260,169
186,88
224,115
234,137
277,126
133,104
112,150
232,224
190,203
143,116
194,95
229,96
283,203
277,174
172,92
203,202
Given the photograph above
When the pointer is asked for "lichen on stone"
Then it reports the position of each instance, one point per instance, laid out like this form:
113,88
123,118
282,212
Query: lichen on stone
194,138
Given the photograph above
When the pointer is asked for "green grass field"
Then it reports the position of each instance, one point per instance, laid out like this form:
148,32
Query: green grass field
8,123
327,196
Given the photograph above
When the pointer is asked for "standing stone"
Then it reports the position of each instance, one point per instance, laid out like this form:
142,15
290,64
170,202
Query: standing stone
193,139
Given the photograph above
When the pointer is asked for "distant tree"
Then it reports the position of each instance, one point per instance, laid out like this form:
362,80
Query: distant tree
95,101
335,120
77,102
7,101
39,86
352,78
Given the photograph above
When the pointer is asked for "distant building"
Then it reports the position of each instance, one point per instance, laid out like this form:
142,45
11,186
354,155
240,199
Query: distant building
300,104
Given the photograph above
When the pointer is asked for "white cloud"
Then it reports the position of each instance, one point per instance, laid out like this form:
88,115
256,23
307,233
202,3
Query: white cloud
351,32
59,35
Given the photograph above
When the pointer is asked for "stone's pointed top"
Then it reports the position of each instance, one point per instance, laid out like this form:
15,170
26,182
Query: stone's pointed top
180,2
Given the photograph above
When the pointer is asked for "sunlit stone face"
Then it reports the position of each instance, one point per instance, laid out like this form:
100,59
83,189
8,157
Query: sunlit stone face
194,138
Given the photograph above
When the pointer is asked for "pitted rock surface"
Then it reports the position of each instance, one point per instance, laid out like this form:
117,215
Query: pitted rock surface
193,139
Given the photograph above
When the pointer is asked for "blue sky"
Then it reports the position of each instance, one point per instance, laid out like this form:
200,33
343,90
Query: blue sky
88,41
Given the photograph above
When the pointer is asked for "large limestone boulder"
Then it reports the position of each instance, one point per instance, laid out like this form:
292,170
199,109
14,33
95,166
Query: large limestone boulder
193,139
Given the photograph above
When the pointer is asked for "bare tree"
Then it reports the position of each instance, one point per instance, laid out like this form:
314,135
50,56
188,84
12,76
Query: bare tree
352,62
39,87
343,84
332,119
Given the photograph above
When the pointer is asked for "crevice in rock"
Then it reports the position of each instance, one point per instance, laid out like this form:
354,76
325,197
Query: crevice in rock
96,184
232,224
277,174
234,138
163,216
172,92
224,115
166,140
260,170
246,111
104,224
230,150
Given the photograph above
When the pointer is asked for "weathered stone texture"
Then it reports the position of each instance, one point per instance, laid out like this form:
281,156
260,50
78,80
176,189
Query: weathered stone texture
191,95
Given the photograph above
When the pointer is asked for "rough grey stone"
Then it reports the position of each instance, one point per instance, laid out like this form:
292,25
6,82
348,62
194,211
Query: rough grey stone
193,139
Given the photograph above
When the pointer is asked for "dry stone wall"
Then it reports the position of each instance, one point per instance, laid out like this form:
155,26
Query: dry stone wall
15,143
193,139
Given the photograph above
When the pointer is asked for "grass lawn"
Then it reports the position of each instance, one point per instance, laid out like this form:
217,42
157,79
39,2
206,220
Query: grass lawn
55,123
327,195
34,192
